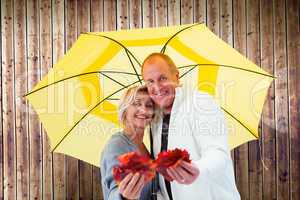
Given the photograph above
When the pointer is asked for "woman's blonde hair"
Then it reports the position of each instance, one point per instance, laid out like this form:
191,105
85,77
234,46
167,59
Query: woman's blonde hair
127,99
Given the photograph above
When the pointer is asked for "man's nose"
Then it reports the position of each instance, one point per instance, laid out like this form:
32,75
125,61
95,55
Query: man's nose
156,87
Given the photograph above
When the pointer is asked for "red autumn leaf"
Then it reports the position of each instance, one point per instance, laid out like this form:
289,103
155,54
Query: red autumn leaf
133,162
170,158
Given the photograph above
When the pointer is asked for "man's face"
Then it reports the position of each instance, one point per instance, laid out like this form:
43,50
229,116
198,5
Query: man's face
160,82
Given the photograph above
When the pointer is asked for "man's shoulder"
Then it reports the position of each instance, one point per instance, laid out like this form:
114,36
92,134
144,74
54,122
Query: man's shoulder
195,97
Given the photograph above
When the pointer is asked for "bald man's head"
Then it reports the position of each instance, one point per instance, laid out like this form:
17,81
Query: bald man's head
152,58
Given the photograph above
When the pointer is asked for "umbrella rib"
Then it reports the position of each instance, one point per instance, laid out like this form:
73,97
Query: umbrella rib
222,107
118,72
188,71
173,36
229,66
78,75
119,43
113,80
113,99
127,53
231,115
133,67
90,112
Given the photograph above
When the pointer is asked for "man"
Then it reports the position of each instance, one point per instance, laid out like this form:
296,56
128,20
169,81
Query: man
190,120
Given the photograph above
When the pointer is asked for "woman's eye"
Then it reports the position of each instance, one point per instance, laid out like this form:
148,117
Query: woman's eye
135,103
149,105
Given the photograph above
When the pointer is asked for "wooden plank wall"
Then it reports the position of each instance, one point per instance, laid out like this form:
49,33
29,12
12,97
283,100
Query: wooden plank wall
36,33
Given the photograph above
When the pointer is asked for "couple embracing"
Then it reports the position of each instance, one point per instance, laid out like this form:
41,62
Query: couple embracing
179,117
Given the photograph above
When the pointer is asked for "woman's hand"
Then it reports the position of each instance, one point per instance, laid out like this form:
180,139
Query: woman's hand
131,186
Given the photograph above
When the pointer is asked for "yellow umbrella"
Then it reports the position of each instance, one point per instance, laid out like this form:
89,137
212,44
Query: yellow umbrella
77,100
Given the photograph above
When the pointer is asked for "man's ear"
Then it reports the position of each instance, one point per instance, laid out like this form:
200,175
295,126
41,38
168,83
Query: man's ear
177,76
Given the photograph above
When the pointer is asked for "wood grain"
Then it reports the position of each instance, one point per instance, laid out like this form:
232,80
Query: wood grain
293,59
240,44
186,12
281,101
148,13
35,34
213,20
161,13
8,105
21,123
46,64
173,9
58,42
200,13
268,133
253,53
34,129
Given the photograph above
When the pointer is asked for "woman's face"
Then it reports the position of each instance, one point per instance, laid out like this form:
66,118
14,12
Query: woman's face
140,112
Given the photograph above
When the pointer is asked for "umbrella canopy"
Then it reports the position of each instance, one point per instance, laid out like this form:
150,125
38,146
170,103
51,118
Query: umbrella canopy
77,100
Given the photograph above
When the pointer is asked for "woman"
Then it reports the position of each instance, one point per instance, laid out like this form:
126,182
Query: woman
136,111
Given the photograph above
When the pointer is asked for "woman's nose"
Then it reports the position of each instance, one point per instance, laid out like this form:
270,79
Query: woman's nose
145,110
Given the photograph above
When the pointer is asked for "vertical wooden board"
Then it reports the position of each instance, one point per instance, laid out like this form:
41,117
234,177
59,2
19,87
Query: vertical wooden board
239,42
226,28
83,17
110,21
58,35
281,101
72,173
1,112
253,53
71,22
9,156
148,13
97,26
122,14
135,13
97,188
34,129
46,63
85,169
161,13
199,11
293,49
96,15
173,12
20,89
213,22
268,133
187,12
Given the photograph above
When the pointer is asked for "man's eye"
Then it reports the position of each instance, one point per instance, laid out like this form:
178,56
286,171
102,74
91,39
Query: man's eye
163,78
149,82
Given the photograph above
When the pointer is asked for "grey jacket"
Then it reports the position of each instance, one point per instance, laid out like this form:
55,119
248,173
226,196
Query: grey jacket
118,144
